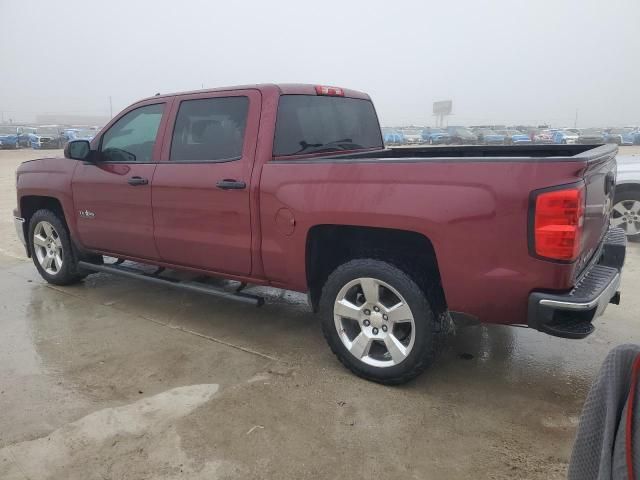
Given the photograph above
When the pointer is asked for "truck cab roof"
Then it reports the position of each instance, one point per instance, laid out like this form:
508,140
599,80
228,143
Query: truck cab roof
267,88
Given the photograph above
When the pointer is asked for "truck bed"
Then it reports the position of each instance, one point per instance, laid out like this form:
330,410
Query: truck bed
472,203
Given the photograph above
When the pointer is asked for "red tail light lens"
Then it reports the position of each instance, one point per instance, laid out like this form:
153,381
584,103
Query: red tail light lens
329,91
559,217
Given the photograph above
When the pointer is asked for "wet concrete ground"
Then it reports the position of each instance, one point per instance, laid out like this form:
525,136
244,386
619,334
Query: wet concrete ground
119,379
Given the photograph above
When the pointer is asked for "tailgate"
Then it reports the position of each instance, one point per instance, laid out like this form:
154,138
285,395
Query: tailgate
599,178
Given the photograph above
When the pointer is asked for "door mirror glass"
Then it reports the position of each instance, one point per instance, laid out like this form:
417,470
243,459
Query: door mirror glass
77,149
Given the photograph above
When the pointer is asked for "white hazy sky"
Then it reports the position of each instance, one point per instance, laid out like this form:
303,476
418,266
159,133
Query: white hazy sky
502,61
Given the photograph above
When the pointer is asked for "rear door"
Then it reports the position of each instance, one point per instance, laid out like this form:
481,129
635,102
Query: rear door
112,196
201,188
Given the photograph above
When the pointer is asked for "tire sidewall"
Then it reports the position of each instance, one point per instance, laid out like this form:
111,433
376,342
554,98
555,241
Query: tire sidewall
424,341
67,273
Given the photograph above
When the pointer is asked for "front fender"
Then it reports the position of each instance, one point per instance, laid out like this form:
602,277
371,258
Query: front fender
49,178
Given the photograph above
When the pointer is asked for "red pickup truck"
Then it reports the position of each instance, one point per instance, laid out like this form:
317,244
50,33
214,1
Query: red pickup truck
291,186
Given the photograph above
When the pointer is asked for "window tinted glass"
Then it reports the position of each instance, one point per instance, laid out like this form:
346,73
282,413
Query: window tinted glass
209,129
132,137
308,124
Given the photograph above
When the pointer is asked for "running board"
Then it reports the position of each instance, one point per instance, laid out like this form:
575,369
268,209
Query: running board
125,271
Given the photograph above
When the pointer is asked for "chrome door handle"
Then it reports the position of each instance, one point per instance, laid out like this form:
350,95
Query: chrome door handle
137,181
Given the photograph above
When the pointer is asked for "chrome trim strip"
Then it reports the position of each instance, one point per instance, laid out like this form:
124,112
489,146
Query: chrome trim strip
609,292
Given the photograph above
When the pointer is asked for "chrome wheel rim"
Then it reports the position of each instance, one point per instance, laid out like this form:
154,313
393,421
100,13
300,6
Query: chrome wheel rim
626,215
48,247
374,322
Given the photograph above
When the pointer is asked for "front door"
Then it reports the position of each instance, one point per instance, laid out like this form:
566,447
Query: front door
112,196
201,192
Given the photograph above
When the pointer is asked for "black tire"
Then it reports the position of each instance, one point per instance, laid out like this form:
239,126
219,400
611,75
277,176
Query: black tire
68,273
428,328
621,197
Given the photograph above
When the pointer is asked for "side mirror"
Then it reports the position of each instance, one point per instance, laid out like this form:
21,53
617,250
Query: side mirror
77,149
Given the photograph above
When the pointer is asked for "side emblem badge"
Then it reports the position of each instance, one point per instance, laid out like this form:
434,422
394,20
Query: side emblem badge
87,214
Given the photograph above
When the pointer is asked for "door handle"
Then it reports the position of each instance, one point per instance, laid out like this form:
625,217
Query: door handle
137,181
228,184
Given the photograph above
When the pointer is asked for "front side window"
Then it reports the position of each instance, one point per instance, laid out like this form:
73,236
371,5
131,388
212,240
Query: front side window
132,138
313,124
210,129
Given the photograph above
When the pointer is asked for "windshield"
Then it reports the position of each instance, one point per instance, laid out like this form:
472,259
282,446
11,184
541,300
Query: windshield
591,131
85,133
48,131
312,124
486,131
411,132
464,132
7,130
620,131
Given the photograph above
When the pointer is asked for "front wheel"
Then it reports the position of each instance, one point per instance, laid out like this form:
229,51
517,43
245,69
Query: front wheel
378,321
51,250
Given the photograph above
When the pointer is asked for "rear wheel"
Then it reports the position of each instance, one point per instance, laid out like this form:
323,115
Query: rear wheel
626,214
378,321
51,250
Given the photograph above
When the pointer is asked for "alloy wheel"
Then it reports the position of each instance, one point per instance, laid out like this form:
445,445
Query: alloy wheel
374,322
626,215
47,246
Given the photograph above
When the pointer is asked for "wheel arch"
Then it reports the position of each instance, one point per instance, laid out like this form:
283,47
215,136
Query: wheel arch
627,187
331,245
30,204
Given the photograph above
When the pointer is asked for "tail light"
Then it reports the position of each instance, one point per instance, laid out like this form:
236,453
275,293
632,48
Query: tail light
558,218
329,91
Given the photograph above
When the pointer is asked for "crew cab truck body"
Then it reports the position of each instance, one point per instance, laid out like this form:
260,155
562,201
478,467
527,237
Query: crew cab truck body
290,186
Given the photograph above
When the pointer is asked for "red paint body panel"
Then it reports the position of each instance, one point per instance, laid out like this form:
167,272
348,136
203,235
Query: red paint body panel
475,214
475,211
123,221
197,224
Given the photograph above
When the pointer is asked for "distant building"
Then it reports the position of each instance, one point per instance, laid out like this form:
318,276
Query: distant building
54,119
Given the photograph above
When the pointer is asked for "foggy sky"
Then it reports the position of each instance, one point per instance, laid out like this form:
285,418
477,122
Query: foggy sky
503,61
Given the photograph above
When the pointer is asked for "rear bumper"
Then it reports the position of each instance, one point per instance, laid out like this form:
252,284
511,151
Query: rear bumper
570,315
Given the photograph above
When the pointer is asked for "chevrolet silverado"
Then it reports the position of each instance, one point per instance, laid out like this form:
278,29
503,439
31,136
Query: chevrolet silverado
290,186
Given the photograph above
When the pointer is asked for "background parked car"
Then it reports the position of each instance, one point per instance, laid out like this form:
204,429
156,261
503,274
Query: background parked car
514,137
68,133
24,136
435,136
462,136
620,136
489,137
49,136
543,137
393,137
9,136
83,134
565,137
412,135
591,136
626,202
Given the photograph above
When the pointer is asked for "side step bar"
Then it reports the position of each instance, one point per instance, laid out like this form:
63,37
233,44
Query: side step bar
125,271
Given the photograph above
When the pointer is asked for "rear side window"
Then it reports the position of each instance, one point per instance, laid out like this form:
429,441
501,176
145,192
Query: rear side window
311,124
209,129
